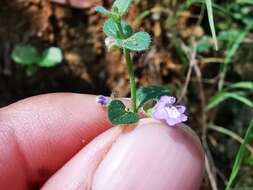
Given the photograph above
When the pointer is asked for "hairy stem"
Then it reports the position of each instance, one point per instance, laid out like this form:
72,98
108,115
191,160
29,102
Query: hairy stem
130,69
131,79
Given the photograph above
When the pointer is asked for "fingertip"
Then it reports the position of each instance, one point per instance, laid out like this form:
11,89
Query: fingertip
49,129
152,156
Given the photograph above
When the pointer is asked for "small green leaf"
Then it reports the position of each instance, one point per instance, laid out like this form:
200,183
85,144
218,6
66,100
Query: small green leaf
204,45
145,94
118,115
103,11
216,100
111,30
51,57
211,21
247,85
239,156
137,42
122,5
25,55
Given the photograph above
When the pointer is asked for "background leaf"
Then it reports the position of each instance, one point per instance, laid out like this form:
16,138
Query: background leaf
211,21
242,85
219,98
239,156
137,42
118,115
145,94
25,55
51,57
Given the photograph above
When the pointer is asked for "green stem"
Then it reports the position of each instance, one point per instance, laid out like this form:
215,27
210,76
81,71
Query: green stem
131,78
130,69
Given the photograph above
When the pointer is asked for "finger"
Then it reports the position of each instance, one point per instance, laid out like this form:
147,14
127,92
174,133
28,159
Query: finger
38,135
147,157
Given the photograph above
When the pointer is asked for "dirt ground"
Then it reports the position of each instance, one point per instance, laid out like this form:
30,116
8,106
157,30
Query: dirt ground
88,67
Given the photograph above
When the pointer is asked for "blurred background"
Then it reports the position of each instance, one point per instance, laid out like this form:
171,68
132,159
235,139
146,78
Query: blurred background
53,47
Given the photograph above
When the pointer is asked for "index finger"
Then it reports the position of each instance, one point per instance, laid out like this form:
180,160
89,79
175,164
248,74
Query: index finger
38,135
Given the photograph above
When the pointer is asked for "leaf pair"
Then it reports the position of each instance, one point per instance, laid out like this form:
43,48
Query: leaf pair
29,56
119,7
117,112
120,30
136,42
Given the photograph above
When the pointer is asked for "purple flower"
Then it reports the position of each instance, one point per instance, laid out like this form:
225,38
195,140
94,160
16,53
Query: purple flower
166,109
102,100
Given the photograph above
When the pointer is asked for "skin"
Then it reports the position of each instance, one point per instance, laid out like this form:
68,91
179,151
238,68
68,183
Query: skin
64,141
77,3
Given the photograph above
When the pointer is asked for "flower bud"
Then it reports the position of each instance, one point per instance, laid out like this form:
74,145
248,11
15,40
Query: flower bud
111,44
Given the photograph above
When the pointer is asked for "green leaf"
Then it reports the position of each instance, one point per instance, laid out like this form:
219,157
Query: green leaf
137,42
122,6
216,100
229,54
211,21
204,45
25,55
244,1
239,156
144,94
51,57
111,30
247,85
118,115
102,10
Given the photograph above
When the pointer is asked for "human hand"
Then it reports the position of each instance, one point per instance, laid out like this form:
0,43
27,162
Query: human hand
46,141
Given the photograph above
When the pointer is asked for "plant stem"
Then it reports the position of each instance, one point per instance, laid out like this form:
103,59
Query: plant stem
130,69
131,79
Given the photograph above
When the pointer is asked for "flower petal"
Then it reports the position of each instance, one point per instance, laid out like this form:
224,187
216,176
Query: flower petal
168,100
159,113
173,121
181,109
183,117
172,112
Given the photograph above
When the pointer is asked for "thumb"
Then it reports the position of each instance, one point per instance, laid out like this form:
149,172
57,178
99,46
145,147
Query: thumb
148,156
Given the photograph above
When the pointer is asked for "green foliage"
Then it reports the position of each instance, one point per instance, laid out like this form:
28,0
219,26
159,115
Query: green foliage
247,85
25,55
103,11
51,57
121,31
111,30
118,114
137,42
222,96
204,45
244,1
122,6
232,50
28,56
239,156
145,94
211,21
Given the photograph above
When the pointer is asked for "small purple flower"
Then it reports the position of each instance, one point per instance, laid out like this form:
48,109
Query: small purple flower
166,109
102,100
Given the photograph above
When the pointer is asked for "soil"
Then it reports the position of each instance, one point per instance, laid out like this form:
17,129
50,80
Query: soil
87,67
